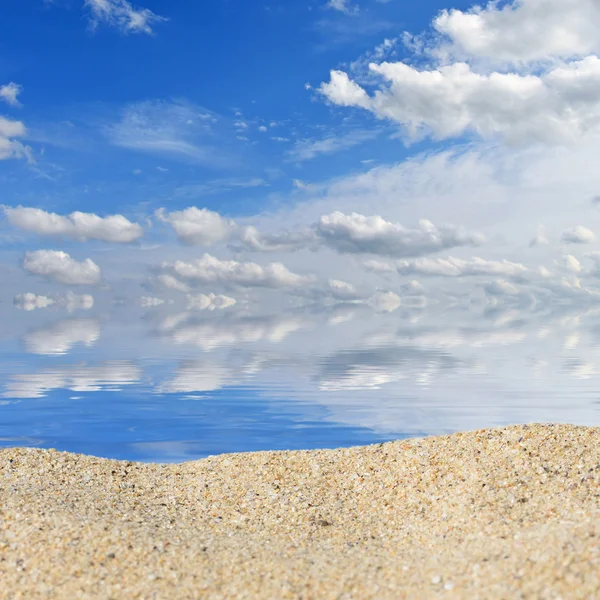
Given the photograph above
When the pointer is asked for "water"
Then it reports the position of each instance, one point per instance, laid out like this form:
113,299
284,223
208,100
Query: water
165,385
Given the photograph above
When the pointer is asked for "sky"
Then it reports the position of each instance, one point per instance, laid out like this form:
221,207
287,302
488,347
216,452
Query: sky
279,166
295,152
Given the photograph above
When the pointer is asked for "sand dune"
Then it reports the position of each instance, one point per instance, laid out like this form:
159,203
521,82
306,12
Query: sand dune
504,513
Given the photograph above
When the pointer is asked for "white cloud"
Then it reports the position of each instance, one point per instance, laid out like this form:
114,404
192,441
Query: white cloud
74,302
356,233
209,301
215,333
29,301
457,267
385,301
522,30
62,336
500,287
558,106
78,225
175,130
77,378
254,240
578,235
198,376
196,226
10,147
572,264
58,266
341,290
342,6
209,269
10,93
309,149
150,301
172,283
122,15
539,240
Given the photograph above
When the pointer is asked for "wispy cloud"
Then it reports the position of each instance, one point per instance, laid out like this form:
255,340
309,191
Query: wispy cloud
122,15
178,130
308,149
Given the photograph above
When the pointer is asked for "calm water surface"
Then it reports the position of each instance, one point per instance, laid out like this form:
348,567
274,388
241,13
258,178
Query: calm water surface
167,385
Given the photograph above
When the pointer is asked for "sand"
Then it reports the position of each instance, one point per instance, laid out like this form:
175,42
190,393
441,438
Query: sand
503,513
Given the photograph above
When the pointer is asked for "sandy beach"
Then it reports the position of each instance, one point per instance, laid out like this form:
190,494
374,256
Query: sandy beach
503,513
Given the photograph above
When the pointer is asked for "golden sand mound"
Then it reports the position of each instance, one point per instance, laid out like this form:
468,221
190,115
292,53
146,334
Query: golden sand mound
504,513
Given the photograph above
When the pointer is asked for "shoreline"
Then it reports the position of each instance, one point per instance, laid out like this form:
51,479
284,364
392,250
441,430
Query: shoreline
493,513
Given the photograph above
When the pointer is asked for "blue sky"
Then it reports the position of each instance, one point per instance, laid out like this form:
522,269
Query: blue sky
183,178
241,63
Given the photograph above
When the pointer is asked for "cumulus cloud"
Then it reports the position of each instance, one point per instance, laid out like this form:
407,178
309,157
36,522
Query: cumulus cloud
10,93
557,106
198,226
341,290
356,233
457,267
9,146
78,225
29,301
578,235
209,269
522,30
122,15
58,266
60,337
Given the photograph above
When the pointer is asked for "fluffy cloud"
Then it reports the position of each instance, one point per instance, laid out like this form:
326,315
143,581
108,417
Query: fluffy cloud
198,226
209,269
356,233
122,15
578,235
522,30
558,106
78,225
58,266
341,290
10,93
457,267
29,301
62,336
9,146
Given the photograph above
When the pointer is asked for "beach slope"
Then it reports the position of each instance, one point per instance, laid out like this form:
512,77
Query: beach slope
502,513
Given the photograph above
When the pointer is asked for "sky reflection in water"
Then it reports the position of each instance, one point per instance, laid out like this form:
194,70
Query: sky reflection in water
161,385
